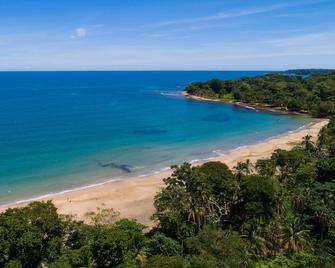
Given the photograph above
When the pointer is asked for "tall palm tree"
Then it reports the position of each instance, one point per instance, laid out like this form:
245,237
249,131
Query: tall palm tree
266,167
307,144
200,205
294,238
244,168
322,138
141,258
259,245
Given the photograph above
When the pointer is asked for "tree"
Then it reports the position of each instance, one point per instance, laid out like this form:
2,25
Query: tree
223,185
217,247
164,262
159,244
301,260
294,105
308,145
294,236
288,162
256,204
243,168
326,169
113,245
13,264
185,202
265,167
30,234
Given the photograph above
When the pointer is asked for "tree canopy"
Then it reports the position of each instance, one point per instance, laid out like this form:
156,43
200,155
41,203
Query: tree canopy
308,91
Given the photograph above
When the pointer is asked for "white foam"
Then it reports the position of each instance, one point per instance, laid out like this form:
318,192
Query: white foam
143,175
173,93
219,152
154,172
249,107
304,126
166,169
238,148
65,191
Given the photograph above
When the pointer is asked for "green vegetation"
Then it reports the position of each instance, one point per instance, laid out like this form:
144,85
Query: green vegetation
314,94
308,71
279,212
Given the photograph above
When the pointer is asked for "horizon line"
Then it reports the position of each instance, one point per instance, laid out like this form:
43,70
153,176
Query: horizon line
160,70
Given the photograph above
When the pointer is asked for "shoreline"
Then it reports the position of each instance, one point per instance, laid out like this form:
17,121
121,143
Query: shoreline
133,197
252,106
45,196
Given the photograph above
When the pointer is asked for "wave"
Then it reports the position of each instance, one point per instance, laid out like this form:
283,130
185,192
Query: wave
166,169
220,152
154,172
65,191
238,148
303,126
172,93
249,107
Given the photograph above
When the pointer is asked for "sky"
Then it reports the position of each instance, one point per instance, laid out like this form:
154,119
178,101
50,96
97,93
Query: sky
166,35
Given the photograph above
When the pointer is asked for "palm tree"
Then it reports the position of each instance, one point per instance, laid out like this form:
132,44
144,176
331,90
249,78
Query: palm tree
294,238
141,258
266,167
200,204
259,245
322,138
299,196
307,144
244,168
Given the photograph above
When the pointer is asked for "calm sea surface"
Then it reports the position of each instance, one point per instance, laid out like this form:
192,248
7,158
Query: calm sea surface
63,130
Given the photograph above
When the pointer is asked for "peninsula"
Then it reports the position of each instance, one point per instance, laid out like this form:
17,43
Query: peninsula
303,91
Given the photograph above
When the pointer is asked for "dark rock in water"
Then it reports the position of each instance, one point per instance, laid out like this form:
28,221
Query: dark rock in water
123,167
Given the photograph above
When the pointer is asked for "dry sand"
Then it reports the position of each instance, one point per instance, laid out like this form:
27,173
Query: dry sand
133,198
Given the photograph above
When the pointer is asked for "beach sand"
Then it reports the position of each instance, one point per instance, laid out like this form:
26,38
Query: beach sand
133,198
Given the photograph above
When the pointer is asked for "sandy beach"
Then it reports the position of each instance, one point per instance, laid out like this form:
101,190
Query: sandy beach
133,198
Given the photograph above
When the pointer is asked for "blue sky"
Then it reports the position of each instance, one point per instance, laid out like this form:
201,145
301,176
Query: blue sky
166,35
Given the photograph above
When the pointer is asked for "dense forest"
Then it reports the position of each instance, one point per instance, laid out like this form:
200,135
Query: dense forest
278,212
307,72
307,91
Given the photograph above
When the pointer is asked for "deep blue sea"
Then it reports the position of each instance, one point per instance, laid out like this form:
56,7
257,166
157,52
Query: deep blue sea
64,130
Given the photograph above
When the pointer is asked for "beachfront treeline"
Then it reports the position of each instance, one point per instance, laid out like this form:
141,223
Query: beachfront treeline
279,212
307,91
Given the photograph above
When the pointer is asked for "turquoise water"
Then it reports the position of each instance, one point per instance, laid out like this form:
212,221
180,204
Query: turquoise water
63,130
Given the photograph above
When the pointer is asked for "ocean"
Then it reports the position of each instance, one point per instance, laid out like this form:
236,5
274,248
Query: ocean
65,130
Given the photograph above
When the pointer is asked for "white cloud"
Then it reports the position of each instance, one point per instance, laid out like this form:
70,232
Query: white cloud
217,16
234,14
293,15
303,40
80,32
